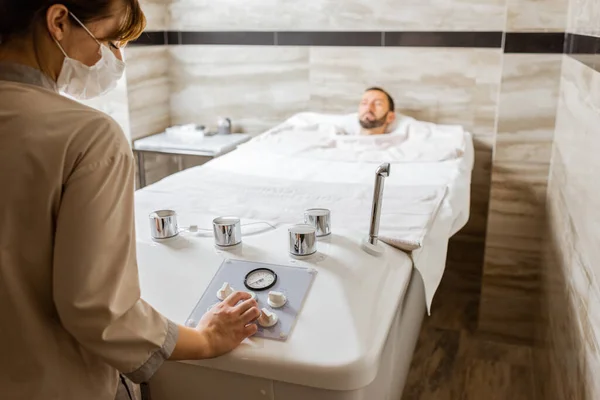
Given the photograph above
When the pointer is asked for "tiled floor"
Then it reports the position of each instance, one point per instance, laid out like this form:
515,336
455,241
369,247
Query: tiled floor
451,361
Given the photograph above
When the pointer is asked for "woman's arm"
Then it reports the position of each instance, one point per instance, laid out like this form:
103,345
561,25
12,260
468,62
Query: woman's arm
95,276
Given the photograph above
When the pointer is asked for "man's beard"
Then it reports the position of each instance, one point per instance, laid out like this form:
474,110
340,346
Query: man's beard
376,123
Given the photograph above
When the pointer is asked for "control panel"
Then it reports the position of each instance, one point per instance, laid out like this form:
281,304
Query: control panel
279,290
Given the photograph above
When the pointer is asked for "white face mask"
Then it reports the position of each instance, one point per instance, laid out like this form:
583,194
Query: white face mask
82,82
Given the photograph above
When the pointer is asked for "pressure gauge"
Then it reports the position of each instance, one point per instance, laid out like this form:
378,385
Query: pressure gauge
260,279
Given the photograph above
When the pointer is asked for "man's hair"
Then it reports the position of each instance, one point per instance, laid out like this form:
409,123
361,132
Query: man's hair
390,100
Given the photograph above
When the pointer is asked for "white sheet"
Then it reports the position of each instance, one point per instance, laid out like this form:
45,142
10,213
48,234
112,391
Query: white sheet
308,136
425,202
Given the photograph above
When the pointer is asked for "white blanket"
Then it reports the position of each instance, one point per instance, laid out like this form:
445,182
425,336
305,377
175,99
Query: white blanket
425,202
307,135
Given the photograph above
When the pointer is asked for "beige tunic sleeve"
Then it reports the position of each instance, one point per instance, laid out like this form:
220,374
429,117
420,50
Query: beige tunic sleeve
95,276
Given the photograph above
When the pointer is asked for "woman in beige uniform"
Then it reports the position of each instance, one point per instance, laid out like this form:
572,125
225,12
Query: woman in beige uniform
72,323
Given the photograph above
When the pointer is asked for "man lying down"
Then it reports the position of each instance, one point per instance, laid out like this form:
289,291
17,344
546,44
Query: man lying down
376,116
375,132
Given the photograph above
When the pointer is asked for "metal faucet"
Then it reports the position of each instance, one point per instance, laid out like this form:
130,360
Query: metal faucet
224,126
383,171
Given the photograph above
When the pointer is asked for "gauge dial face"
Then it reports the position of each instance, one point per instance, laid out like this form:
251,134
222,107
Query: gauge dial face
260,279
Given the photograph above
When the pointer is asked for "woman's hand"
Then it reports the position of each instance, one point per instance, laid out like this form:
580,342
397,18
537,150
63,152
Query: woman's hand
228,323
220,330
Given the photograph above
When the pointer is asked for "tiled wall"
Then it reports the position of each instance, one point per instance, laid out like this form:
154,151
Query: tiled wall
536,15
522,151
115,104
256,86
569,324
335,15
259,62
157,14
149,89
571,320
360,15
149,102
583,17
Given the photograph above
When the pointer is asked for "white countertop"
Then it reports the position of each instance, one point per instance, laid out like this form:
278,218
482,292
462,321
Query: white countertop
210,146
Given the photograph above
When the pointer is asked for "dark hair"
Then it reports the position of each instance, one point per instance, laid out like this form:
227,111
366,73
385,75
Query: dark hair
390,100
18,17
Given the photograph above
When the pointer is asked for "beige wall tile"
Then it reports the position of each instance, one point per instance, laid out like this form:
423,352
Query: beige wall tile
157,14
584,17
464,91
516,213
512,262
592,364
146,63
115,104
592,349
522,155
256,86
537,15
566,347
480,188
564,351
571,288
577,127
150,120
517,270
507,316
527,110
513,250
326,15
482,168
149,90
476,226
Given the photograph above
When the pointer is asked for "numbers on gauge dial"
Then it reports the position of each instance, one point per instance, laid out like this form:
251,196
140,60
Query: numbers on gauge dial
260,279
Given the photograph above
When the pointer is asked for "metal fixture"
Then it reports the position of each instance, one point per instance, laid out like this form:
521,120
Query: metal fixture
320,218
302,240
163,224
227,231
224,126
371,244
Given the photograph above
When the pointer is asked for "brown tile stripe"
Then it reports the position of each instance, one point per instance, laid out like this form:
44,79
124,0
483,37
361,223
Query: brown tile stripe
514,42
585,49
